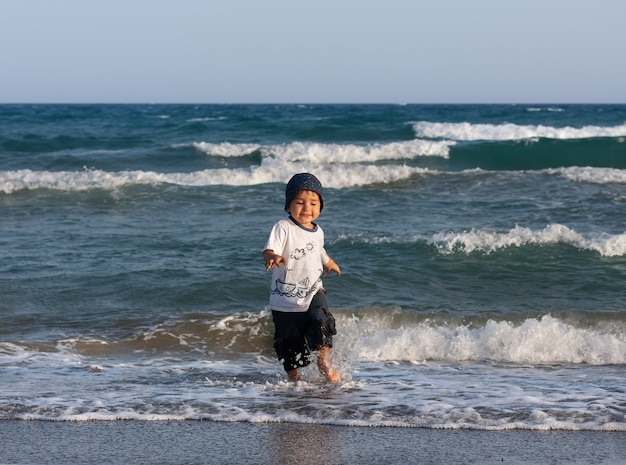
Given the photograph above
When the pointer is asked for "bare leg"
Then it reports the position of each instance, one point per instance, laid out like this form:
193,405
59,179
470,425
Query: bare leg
294,375
323,363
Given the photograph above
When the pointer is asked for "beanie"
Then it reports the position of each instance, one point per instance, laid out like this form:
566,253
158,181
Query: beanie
303,182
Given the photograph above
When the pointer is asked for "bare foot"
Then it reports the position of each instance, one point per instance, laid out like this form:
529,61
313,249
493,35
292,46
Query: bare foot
323,363
294,375
332,375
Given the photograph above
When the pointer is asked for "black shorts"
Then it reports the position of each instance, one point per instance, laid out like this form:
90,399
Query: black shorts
299,333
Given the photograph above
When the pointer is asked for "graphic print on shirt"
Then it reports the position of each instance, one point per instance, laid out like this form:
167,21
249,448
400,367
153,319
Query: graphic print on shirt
289,284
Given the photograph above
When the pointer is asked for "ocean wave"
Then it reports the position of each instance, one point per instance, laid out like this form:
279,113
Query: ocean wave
206,118
225,149
510,132
399,369
487,241
549,109
331,153
270,171
543,340
365,335
590,174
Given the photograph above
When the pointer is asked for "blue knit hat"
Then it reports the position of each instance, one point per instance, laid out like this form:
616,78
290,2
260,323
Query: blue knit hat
303,182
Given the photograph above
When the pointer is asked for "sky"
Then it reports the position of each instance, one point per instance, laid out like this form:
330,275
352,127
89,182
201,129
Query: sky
322,51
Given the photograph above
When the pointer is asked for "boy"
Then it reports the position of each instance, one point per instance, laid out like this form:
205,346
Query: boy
295,249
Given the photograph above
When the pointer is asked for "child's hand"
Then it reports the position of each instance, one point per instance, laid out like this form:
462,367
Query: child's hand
331,266
272,260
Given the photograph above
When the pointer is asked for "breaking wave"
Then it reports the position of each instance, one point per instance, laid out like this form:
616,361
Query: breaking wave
487,241
509,131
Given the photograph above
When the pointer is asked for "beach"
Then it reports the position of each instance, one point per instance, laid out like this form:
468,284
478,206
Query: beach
197,442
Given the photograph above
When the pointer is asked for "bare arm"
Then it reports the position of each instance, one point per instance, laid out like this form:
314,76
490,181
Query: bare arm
331,266
272,260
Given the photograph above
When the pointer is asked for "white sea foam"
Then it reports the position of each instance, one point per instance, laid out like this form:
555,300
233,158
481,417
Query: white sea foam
487,241
590,174
332,153
549,109
539,374
225,149
509,131
270,170
205,119
544,340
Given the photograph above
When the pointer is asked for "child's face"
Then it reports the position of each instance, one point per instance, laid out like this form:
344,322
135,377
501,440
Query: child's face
305,208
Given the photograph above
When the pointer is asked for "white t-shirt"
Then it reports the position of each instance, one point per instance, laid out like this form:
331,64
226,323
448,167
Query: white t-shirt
293,286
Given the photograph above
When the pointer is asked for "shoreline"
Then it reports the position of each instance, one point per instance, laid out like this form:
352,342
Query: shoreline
192,442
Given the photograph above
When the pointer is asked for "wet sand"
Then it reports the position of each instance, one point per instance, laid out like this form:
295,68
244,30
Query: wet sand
204,442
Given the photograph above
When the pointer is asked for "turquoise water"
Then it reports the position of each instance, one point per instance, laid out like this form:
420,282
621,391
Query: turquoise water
483,250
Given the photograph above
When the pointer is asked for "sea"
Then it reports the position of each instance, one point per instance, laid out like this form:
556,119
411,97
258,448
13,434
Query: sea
482,249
